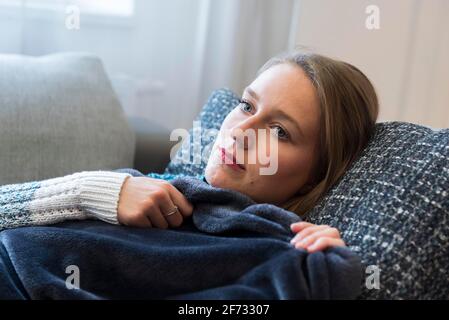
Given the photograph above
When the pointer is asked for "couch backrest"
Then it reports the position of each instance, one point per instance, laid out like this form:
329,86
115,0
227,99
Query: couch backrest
58,115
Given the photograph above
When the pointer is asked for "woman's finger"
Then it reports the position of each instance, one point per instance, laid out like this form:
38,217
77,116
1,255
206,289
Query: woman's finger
149,222
319,233
184,206
298,226
174,218
154,214
140,221
167,208
308,231
324,243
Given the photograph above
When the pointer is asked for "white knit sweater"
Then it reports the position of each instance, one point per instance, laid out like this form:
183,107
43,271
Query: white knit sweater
78,196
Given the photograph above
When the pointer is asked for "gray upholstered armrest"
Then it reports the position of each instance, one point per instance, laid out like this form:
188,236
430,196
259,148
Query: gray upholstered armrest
152,145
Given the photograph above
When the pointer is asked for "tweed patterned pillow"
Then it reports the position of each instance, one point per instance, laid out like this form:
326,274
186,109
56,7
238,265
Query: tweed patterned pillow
219,104
392,205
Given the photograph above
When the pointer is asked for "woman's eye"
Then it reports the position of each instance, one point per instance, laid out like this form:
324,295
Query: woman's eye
245,106
281,133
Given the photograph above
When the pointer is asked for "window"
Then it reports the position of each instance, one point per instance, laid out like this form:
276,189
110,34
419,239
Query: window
95,7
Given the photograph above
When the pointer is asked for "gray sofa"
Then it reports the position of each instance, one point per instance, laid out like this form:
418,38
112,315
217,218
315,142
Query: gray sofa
59,114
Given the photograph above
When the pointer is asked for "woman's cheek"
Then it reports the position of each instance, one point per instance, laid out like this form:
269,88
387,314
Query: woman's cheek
291,163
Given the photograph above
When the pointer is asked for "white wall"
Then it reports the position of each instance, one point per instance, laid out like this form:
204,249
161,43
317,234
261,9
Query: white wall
406,59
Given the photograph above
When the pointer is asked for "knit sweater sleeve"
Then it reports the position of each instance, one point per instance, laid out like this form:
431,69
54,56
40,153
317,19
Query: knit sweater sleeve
78,196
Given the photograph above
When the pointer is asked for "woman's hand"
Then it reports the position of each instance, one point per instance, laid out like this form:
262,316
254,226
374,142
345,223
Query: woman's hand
144,201
314,237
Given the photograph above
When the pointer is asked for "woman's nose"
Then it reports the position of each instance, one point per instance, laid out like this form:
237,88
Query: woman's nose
244,135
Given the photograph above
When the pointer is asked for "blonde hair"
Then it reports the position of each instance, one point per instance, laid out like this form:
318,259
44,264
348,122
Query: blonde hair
349,109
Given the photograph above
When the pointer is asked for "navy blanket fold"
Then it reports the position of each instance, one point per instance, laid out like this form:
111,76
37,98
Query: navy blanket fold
230,248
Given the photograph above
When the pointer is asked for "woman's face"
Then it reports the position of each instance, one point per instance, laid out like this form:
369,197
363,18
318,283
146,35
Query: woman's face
284,100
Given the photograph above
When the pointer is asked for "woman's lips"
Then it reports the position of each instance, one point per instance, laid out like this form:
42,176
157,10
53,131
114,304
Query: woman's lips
231,161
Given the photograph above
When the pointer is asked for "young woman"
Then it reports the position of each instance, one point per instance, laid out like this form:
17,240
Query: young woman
323,113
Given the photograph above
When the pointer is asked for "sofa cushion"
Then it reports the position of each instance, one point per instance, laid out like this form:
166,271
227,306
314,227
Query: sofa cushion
391,206
58,115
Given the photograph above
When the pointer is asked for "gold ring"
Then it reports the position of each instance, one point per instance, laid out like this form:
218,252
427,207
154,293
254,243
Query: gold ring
171,212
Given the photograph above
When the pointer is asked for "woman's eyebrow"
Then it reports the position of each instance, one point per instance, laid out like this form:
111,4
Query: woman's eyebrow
252,93
287,117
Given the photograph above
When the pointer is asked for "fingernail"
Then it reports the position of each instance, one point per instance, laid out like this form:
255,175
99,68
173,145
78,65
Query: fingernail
301,244
301,239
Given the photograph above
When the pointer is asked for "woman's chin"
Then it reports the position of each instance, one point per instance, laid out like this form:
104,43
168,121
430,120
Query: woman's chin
219,178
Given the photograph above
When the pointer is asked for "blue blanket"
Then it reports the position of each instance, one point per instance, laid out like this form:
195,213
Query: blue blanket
230,248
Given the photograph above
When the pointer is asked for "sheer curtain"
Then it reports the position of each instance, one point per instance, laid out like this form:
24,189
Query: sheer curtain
163,57
242,36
